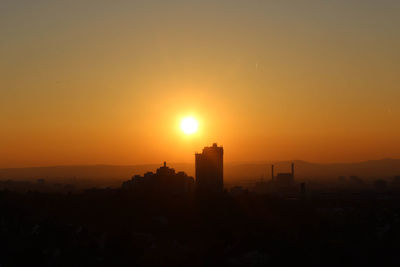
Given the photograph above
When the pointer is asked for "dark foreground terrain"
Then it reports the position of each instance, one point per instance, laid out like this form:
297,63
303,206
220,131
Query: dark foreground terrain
115,228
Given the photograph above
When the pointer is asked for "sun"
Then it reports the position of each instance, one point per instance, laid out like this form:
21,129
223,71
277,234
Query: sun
189,125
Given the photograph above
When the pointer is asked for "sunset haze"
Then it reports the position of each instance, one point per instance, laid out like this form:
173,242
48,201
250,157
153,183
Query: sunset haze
109,82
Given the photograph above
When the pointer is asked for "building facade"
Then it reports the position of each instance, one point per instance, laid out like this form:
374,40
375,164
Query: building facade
209,170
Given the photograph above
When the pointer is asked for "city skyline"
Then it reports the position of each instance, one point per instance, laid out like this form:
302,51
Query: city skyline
199,133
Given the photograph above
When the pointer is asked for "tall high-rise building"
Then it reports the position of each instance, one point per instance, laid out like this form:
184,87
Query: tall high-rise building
209,170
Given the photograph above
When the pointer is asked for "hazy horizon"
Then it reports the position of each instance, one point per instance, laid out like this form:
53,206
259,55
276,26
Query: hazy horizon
193,163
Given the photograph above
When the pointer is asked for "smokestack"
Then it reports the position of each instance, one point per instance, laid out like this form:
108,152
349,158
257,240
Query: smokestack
272,171
165,164
292,169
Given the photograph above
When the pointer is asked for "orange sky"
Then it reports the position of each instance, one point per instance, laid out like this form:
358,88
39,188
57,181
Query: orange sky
91,83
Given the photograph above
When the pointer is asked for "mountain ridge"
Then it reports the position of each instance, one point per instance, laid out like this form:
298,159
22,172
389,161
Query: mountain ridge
233,170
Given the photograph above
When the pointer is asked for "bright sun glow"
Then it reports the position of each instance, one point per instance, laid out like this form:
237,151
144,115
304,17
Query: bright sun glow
189,125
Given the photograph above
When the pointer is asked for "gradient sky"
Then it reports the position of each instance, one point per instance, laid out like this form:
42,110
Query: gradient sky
91,82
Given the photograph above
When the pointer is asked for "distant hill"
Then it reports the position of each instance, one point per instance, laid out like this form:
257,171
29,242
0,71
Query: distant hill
233,171
368,169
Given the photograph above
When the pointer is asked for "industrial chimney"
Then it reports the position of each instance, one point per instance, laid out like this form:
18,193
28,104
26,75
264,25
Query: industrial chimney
272,172
292,170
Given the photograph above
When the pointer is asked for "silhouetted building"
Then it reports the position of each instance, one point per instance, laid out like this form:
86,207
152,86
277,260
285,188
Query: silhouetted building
209,170
238,190
303,189
164,181
281,183
285,179
356,181
396,182
272,172
380,185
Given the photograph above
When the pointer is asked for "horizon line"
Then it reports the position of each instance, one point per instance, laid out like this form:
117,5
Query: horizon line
268,162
